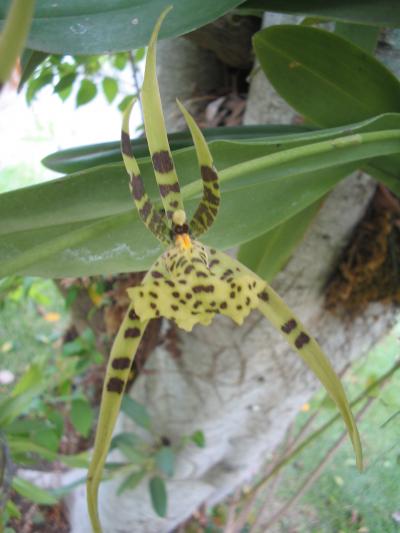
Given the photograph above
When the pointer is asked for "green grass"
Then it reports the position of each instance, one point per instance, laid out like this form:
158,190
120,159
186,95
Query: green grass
25,334
341,499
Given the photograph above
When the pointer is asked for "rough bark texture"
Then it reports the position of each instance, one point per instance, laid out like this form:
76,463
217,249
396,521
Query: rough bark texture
229,38
241,386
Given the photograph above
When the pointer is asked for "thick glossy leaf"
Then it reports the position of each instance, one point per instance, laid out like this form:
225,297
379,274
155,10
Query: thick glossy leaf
84,157
373,12
267,254
53,230
102,26
32,492
158,493
326,78
366,37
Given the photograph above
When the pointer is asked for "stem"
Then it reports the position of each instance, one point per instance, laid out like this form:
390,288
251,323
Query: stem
13,36
312,157
135,80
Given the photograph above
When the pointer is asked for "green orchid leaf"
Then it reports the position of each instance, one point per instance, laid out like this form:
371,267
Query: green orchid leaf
365,37
326,78
328,90
78,27
84,157
267,254
372,12
61,234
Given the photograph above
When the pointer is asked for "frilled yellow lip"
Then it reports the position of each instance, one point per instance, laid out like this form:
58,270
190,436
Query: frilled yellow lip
191,286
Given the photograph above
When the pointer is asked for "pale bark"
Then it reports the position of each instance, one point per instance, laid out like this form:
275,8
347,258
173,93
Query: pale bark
241,386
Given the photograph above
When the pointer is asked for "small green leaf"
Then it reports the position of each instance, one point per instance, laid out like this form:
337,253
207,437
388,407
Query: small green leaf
65,93
47,438
12,510
25,445
29,61
129,439
124,103
87,91
198,438
32,492
134,456
139,54
131,481
165,460
72,294
74,347
120,60
110,89
158,493
36,84
136,412
32,378
65,82
81,416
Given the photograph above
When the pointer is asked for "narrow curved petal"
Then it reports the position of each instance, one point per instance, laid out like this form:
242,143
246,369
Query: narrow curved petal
156,132
147,212
283,319
117,374
206,212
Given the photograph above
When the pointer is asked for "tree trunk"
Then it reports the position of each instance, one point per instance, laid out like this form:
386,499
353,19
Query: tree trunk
242,386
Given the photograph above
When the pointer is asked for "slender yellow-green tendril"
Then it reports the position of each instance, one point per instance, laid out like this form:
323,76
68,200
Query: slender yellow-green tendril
189,283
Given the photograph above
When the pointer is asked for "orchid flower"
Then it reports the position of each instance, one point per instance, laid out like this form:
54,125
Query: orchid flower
189,283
